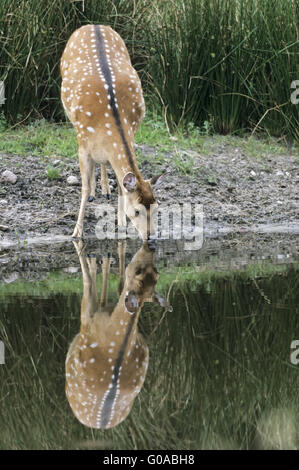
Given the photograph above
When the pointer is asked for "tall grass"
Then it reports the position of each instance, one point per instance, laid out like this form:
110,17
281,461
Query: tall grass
229,63
32,38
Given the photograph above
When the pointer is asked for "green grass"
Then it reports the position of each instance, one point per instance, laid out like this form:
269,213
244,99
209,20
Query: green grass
214,61
258,147
33,38
44,138
53,173
225,66
40,138
155,132
48,139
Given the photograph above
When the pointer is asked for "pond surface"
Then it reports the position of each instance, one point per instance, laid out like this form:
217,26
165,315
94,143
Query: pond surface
208,366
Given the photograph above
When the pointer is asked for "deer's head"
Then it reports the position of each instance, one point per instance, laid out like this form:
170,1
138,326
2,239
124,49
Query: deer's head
141,279
140,204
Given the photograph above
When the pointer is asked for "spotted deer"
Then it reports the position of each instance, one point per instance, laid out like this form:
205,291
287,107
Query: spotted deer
102,96
107,361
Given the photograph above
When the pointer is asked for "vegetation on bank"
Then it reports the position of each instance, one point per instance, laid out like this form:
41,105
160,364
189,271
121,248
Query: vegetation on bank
185,277
50,141
222,65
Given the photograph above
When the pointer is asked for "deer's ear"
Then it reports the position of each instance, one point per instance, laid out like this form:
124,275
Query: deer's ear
159,299
131,302
156,180
130,182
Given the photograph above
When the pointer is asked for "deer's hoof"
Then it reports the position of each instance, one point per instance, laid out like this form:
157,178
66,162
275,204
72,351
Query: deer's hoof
77,234
91,198
107,196
76,238
151,243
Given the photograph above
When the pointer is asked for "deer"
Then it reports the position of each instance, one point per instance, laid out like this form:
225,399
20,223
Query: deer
102,96
107,361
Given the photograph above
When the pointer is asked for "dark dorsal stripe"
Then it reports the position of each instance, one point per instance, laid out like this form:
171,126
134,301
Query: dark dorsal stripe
107,75
110,399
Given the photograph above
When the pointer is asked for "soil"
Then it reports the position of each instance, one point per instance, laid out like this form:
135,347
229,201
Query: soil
250,206
238,194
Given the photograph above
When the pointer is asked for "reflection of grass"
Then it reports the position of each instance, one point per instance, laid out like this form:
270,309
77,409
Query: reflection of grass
219,372
63,283
225,352
55,283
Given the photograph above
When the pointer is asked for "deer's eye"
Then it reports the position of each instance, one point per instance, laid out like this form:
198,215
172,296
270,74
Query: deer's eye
137,212
138,271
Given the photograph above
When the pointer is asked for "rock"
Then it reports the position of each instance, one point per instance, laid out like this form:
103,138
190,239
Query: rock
3,202
170,186
71,269
112,182
9,177
56,162
4,228
279,173
72,180
12,277
253,173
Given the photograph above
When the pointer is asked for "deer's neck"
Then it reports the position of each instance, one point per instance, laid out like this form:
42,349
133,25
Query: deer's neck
115,332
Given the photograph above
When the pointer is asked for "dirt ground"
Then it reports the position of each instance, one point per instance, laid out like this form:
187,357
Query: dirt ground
250,210
238,193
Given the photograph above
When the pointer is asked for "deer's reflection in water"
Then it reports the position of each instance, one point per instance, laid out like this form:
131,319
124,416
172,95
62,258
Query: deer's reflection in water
107,361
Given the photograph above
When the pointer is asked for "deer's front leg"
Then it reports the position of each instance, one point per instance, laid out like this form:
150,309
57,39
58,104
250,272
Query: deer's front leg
121,248
105,278
121,215
92,185
87,172
89,273
104,182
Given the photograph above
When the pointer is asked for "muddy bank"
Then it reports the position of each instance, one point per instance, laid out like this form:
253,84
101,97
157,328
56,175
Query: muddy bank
250,211
239,193
34,261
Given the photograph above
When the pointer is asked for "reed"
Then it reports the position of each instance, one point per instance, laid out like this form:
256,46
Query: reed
32,38
225,63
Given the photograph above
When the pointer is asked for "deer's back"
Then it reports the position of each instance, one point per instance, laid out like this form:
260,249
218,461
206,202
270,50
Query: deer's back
100,88
102,381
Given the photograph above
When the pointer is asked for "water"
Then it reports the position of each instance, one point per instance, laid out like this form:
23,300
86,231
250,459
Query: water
219,373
